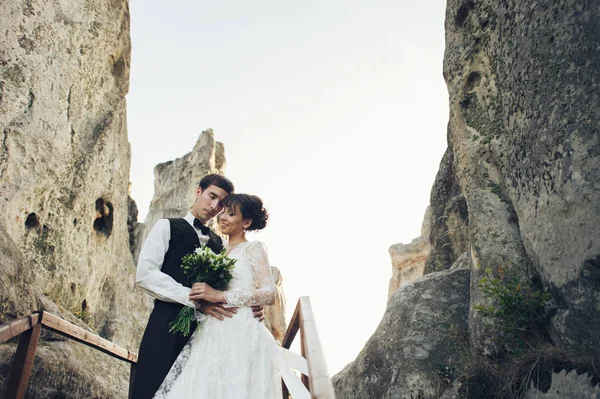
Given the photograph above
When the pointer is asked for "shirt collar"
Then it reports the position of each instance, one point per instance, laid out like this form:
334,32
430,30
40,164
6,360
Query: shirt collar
189,218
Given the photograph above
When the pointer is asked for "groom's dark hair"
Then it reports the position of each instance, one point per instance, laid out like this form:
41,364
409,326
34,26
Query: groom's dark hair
216,180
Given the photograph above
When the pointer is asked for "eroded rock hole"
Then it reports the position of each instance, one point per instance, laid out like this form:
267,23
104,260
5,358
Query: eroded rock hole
473,80
104,217
463,13
32,221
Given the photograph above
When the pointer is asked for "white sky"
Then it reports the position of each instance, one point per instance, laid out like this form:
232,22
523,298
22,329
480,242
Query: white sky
333,112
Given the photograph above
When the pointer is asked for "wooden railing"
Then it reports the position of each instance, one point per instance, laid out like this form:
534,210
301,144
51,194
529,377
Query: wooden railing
318,381
29,329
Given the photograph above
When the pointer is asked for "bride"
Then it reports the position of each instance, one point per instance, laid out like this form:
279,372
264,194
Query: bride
237,357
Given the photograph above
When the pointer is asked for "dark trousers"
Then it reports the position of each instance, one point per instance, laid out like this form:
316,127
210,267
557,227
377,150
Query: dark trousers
158,350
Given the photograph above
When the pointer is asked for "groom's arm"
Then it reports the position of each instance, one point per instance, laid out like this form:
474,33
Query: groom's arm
219,312
149,276
257,311
215,310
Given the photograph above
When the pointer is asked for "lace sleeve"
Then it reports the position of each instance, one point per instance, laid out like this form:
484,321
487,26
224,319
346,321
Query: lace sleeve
264,292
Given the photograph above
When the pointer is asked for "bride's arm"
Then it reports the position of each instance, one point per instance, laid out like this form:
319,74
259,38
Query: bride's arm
264,294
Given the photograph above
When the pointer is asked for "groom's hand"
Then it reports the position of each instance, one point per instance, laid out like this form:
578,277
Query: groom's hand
258,312
215,310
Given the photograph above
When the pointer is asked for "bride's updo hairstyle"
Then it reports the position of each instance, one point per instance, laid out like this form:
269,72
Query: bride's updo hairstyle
251,208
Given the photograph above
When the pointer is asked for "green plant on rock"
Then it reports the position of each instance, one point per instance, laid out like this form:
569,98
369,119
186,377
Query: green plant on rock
516,307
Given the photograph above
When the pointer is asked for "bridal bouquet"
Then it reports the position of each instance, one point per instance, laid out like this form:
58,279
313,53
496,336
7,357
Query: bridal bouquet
202,266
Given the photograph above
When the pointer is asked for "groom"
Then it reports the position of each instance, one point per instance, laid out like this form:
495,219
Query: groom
159,274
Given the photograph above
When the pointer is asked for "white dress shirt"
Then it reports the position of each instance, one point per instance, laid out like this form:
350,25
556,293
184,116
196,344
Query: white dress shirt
149,276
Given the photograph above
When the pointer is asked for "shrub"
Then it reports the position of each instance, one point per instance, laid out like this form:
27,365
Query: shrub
517,309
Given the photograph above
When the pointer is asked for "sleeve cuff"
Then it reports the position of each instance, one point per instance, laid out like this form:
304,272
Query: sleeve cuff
184,297
200,317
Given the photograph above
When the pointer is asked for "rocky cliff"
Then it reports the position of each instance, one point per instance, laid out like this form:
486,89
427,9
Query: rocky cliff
518,191
64,171
525,134
64,167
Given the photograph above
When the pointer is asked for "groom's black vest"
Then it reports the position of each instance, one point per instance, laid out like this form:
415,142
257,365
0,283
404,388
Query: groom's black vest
184,240
159,348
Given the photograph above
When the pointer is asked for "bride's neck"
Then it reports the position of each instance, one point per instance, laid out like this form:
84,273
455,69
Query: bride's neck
236,239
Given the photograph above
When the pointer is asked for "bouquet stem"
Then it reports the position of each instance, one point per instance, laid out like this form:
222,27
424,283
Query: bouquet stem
183,323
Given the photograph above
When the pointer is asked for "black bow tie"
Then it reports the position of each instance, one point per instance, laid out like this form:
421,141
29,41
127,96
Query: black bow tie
198,224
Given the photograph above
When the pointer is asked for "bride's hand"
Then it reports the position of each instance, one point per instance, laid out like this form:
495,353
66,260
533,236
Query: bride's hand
206,292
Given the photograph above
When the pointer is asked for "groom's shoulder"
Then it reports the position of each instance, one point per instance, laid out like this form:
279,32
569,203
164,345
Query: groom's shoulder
176,221
178,226
215,236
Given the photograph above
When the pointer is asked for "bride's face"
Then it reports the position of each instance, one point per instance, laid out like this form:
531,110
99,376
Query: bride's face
232,223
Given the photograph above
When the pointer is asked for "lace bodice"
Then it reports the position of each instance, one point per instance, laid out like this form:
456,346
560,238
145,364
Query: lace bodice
252,282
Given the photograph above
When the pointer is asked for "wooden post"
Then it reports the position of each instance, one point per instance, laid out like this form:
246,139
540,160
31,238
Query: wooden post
131,379
21,367
286,393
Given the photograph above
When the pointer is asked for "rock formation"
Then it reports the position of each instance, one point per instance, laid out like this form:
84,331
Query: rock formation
518,188
64,171
132,219
175,183
525,136
449,236
408,260
65,158
567,385
422,329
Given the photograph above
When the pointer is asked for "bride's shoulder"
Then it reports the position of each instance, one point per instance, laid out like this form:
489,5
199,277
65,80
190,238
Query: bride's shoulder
257,246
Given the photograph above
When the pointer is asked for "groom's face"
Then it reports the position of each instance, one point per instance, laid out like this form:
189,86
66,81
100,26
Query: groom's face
209,202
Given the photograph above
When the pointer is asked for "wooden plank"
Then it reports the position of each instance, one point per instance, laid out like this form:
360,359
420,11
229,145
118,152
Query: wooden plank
303,378
12,329
320,383
20,370
56,324
292,329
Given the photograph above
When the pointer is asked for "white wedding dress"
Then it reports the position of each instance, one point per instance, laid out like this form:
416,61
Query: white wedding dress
237,357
